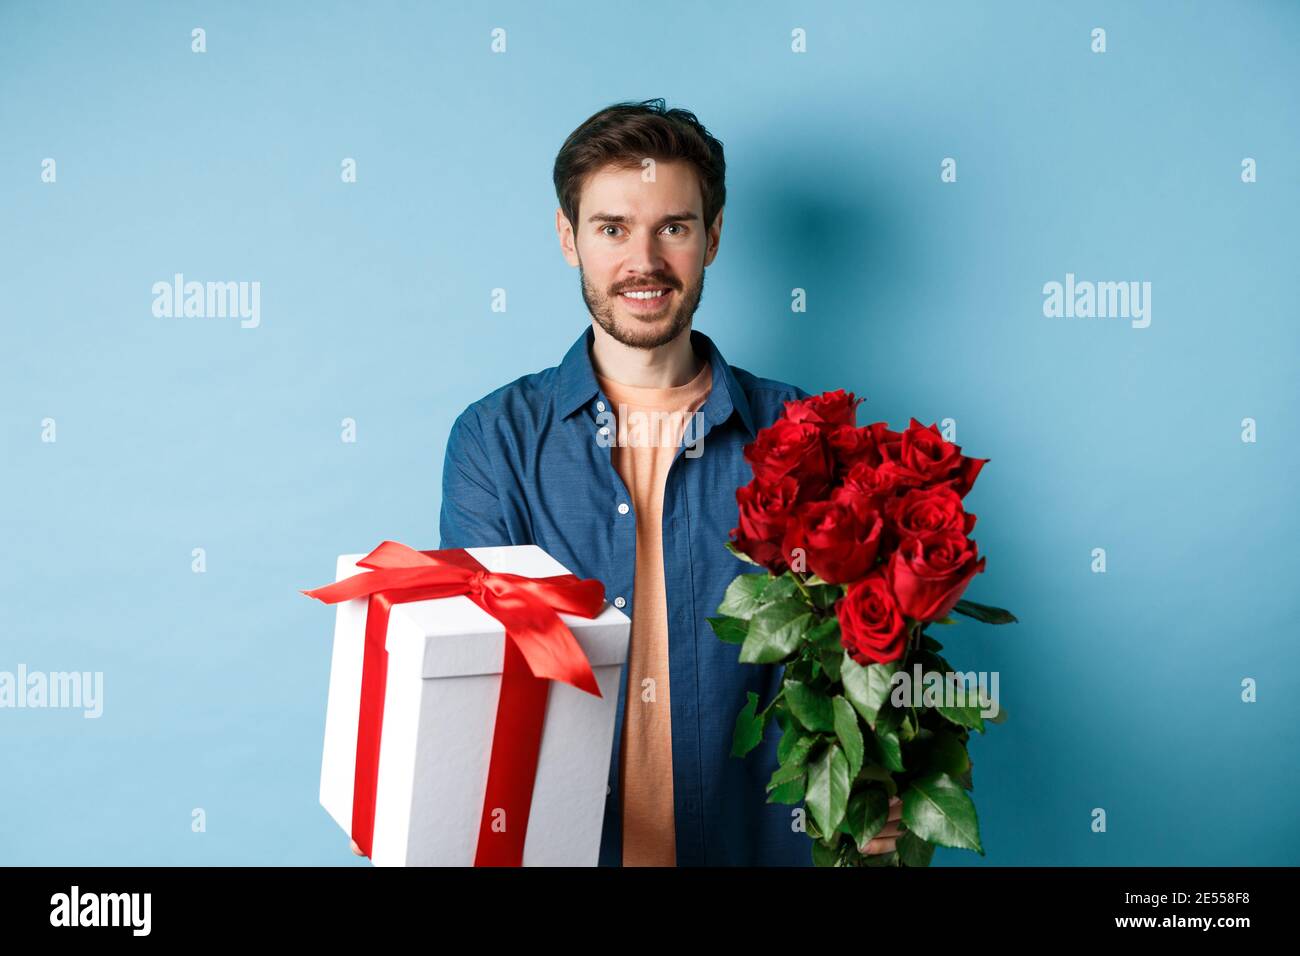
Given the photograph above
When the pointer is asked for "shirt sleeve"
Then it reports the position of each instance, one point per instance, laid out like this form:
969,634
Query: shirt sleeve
471,515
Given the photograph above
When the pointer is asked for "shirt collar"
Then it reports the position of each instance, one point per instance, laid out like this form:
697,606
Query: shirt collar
577,381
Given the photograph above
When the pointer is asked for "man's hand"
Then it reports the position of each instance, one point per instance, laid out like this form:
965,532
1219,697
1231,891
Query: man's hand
885,841
356,849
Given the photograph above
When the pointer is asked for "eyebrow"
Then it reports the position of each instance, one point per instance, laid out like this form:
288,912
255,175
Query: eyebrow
671,217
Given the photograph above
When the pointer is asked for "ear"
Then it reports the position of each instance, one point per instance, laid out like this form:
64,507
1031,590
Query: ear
564,230
715,238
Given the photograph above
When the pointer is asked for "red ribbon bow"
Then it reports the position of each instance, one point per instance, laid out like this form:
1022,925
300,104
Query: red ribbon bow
539,648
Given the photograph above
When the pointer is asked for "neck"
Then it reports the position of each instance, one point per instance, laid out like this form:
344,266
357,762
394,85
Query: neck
672,364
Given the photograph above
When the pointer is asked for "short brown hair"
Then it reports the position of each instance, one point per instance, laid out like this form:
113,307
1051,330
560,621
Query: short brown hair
626,133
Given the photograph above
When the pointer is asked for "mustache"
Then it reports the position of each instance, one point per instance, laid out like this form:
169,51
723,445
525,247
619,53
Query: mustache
645,282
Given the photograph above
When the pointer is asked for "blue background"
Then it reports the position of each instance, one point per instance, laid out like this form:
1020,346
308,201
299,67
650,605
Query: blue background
1123,688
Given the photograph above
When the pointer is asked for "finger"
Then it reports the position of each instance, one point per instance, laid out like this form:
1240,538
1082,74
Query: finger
888,834
879,845
896,812
891,831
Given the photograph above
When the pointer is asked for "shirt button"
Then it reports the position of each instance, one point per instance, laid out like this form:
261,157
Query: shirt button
609,788
600,406
622,507
604,429
619,602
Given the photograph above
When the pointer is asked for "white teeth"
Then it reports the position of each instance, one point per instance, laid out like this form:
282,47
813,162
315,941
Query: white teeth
645,295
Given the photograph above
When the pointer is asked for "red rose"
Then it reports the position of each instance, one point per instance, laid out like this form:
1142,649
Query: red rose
930,571
921,450
792,449
886,440
764,510
889,448
872,627
850,445
839,540
920,510
866,482
827,409
963,477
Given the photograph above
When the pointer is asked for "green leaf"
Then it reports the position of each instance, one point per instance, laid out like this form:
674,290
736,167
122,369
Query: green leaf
830,662
775,632
867,688
781,710
886,731
794,747
873,773
929,643
1000,717
825,635
913,851
780,588
743,596
811,707
982,612
883,859
785,774
932,661
963,716
867,814
848,733
824,639
945,620
799,669
822,855
945,753
939,811
730,629
825,596
907,729
827,797
788,793
749,727
731,546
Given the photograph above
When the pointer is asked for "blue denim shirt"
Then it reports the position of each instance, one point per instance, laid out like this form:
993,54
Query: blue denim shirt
525,465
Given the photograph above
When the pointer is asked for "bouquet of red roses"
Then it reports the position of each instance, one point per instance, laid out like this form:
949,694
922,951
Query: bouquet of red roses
866,542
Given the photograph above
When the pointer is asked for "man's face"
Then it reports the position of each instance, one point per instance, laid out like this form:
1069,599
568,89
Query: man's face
638,235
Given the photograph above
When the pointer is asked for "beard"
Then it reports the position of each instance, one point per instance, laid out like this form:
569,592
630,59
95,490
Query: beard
635,331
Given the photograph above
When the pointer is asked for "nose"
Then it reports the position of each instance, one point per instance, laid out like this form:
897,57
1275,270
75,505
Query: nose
644,258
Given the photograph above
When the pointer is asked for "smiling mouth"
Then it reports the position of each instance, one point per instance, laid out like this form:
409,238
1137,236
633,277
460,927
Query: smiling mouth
645,295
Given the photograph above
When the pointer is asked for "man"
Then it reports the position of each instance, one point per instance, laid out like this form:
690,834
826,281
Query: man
543,460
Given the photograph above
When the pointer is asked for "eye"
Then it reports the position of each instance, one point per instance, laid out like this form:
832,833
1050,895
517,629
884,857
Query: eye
608,225
676,225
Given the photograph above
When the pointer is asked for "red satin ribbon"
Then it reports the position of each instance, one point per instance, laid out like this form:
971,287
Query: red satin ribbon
539,648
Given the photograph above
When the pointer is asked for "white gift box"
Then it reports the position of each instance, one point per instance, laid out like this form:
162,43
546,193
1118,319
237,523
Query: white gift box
440,703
